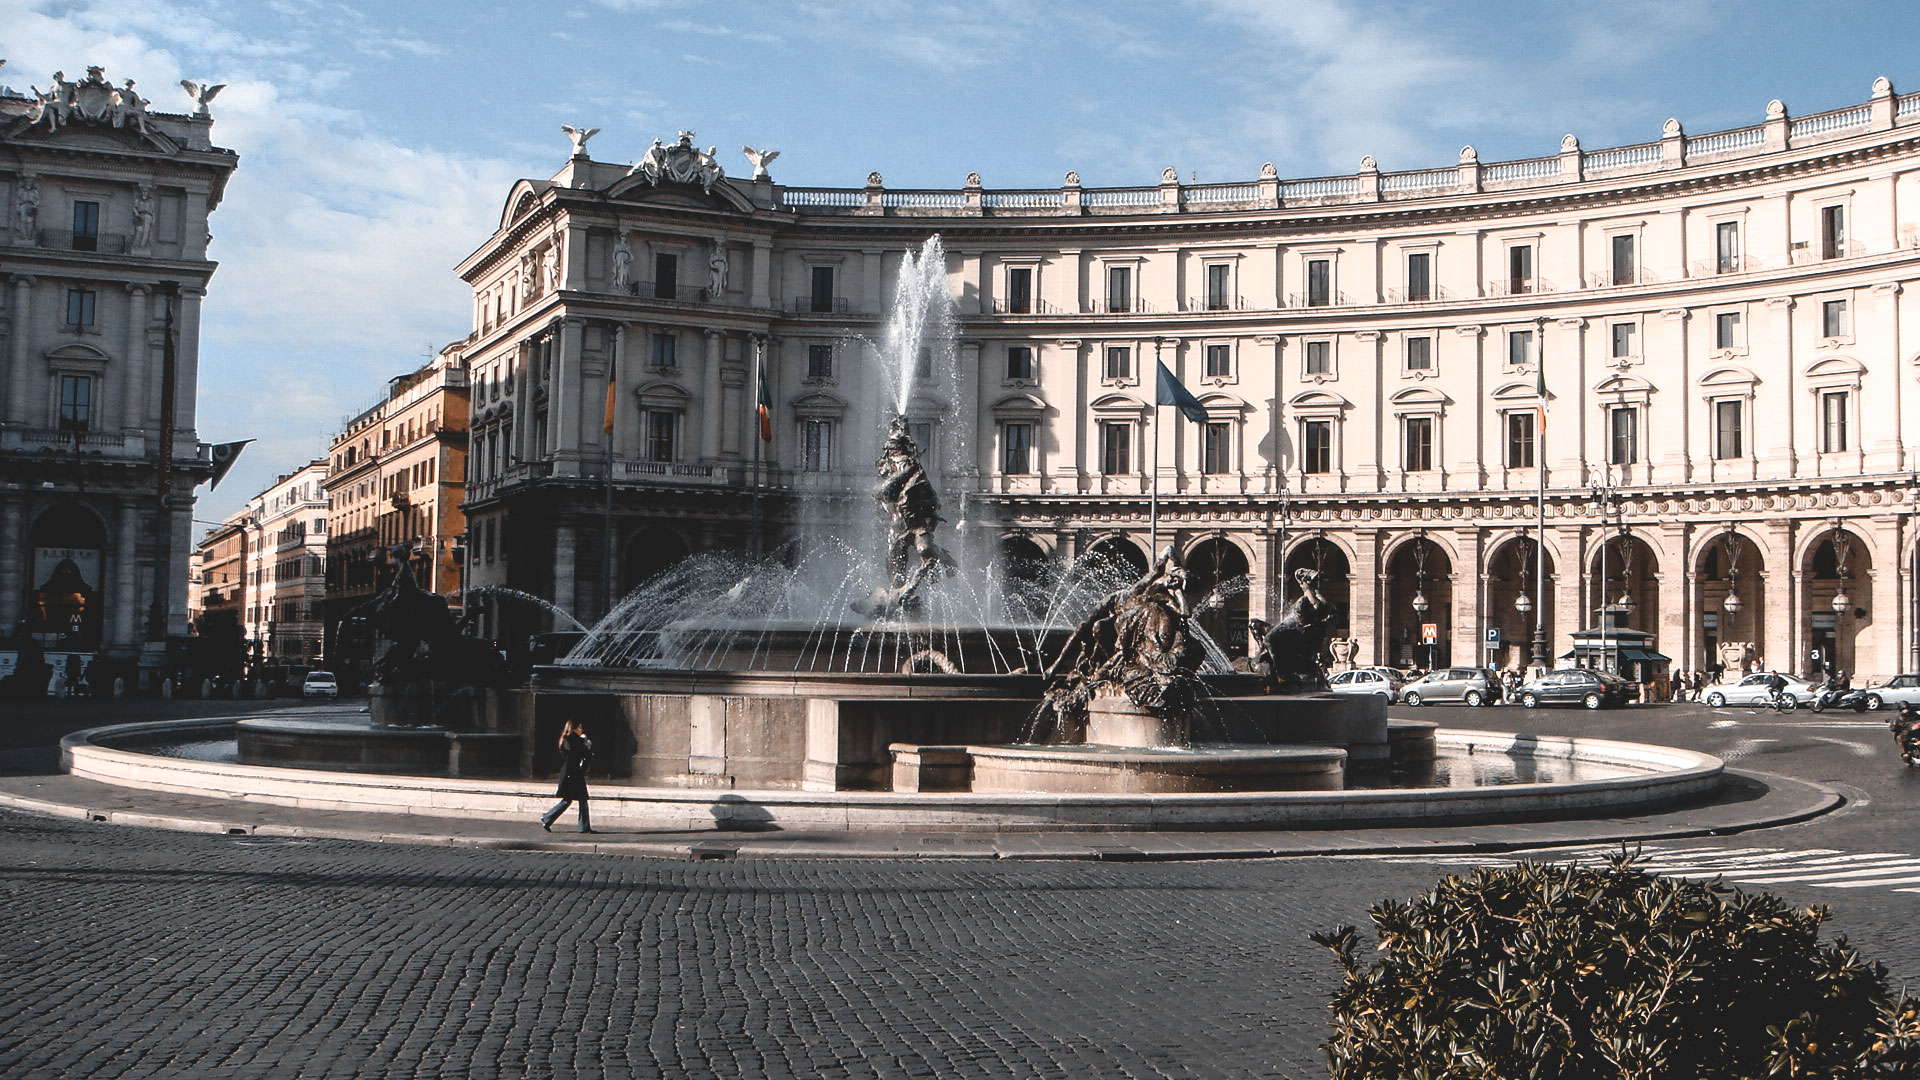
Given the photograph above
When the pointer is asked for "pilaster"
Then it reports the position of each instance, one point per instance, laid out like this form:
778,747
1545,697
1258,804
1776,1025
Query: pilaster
713,345
21,336
133,369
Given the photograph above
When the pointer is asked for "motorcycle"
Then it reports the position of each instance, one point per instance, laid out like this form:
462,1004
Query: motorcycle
1906,735
1839,698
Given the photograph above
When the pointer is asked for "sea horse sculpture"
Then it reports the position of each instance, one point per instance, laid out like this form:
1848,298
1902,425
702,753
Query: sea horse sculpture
1296,646
1137,642
913,513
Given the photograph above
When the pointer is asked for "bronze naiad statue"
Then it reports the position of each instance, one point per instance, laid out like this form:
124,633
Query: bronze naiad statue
913,513
424,641
1295,648
1136,642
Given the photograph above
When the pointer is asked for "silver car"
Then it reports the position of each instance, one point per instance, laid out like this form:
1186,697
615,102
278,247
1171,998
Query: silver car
1473,686
1366,681
1899,690
1753,690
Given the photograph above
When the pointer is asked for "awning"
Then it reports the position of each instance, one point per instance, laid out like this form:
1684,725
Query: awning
1631,653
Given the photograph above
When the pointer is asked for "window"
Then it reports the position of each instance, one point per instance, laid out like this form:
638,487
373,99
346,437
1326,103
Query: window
1833,231
1119,362
1116,448
660,428
1215,443
1520,268
921,432
76,402
79,307
1726,247
1316,446
1623,435
1019,362
1119,288
1016,448
1417,434
1622,339
1420,275
86,226
1020,289
1419,354
663,350
1218,275
1624,266
1219,361
666,275
1833,319
1726,330
1519,347
1833,421
817,446
1319,358
1319,282
821,296
1520,448
819,361
1728,429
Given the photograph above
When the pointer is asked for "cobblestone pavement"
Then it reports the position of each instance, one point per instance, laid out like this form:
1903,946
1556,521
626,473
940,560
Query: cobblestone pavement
138,952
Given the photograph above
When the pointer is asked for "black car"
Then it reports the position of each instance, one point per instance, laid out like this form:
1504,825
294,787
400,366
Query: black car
1593,689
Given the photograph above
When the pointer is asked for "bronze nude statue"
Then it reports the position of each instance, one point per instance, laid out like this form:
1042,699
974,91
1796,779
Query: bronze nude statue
913,513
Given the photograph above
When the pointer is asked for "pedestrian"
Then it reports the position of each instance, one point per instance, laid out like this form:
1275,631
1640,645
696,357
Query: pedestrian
576,753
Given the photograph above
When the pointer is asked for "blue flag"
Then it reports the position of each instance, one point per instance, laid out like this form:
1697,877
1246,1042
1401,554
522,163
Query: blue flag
1170,392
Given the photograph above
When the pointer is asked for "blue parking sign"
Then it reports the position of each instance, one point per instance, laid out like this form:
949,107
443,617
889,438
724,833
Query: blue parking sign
1493,635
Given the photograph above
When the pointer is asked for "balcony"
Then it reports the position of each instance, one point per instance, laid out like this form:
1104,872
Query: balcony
818,305
100,243
671,292
674,472
69,438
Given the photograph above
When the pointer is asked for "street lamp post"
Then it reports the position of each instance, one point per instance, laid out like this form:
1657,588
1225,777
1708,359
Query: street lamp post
1524,603
1603,496
1540,494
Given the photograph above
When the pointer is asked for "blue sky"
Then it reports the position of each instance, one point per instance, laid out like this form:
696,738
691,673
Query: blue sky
377,139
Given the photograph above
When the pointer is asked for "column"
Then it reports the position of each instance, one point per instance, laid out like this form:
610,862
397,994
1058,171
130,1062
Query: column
1675,586
123,602
1063,460
133,371
761,288
13,537
1782,595
517,450
186,365
178,521
1469,599
21,333
563,401
1883,605
623,411
714,349
565,555
1363,614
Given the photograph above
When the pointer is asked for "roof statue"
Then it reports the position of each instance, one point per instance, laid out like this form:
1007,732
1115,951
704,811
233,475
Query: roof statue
760,159
92,100
579,137
202,95
681,163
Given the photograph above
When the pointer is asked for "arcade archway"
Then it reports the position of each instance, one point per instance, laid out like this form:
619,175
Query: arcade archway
1335,580
1419,598
1837,575
1516,604
1217,592
1732,577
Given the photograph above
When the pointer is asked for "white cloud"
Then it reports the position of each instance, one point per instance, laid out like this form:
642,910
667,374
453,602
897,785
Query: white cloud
336,244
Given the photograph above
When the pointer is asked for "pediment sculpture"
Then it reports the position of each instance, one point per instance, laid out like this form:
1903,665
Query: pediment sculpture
92,100
681,163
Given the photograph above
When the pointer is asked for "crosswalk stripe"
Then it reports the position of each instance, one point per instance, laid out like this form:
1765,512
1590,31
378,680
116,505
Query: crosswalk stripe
1821,868
1871,882
1905,865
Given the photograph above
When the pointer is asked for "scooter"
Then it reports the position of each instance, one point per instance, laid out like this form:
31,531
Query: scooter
1845,697
1906,734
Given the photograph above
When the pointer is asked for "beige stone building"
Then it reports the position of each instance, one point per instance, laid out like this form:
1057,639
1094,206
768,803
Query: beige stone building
217,596
1721,322
397,478
103,254
286,555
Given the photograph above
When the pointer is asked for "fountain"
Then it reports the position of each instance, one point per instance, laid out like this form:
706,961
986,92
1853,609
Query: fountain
880,672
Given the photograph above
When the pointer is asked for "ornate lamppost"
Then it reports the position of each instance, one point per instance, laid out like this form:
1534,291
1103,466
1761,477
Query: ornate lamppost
1604,497
1524,603
1420,604
1842,547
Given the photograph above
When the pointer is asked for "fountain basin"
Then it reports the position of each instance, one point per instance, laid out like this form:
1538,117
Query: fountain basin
1644,778
357,744
1094,768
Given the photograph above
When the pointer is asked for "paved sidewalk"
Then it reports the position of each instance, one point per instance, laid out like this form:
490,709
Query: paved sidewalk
1750,800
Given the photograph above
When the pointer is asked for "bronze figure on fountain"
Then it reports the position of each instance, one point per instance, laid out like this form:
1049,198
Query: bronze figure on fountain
1295,648
913,513
1137,642
430,660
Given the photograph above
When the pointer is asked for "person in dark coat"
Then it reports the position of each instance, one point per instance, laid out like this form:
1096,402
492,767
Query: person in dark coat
576,753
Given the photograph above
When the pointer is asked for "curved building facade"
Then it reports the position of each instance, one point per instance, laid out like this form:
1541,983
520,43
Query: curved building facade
1698,346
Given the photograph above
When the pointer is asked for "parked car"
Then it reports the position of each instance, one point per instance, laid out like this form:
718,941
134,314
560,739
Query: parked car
1899,690
1474,686
319,684
1377,682
1568,686
1753,690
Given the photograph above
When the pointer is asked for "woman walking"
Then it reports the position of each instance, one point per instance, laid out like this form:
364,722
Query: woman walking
576,753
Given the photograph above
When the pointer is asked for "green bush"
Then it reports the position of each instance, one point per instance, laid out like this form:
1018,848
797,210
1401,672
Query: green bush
1569,973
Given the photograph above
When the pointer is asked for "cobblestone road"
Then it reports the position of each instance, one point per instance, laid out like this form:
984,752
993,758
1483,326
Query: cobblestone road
140,953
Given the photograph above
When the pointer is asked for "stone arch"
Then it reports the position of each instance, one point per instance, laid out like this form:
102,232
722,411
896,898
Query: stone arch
1213,564
1632,571
1418,569
1835,565
1511,572
1119,550
67,549
1334,561
1743,574
1402,538
647,553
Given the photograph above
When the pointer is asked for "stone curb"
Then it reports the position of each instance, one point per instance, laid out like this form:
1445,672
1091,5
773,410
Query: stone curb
1785,801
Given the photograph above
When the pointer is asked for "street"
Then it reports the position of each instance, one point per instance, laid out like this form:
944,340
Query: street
138,952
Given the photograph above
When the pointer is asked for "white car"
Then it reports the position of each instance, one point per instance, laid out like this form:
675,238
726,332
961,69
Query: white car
1753,690
1899,690
1366,681
320,684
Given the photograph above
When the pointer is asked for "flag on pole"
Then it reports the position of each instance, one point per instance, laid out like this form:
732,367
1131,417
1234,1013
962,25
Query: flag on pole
606,422
224,455
764,404
1170,392
1540,392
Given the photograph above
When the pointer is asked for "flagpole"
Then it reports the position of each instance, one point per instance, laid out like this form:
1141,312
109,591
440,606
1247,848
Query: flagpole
1153,489
1540,500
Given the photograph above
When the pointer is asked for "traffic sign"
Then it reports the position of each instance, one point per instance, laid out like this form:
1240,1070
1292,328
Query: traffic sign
1493,635
1429,632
